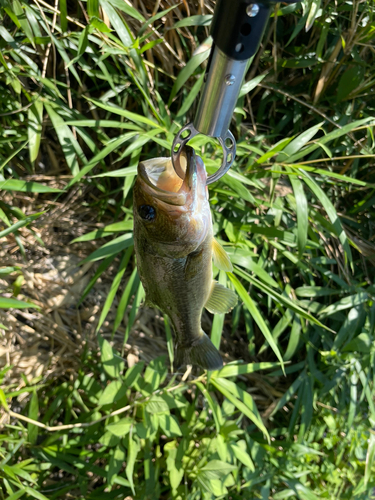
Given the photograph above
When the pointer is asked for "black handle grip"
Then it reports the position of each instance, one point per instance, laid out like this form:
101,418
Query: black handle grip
238,26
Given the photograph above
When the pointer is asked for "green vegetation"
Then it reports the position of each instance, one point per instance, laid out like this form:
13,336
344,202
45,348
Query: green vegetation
87,89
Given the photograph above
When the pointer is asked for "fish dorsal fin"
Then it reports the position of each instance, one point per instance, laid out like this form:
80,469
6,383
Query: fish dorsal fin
221,299
221,258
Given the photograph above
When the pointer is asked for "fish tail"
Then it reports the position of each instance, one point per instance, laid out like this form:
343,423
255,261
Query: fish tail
203,353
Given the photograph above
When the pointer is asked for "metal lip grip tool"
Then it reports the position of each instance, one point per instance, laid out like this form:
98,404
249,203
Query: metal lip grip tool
237,30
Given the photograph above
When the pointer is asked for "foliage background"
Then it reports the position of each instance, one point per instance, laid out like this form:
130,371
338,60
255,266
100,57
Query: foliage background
87,90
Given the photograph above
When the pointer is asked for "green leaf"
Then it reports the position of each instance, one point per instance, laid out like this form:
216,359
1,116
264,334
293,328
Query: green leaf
156,372
315,291
117,21
113,247
70,146
36,494
170,425
133,117
218,321
290,392
240,452
168,333
362,344
154,18
102,267
93,8
109,439
250,85
190,98
258,318
332,214
157,405
198,20
8,303
117,227
35,119
294,338
350,80
114,391
26,186
131,11
118,457
175,473
16,495
302,212
233,370
82,43
150,45
307,408
99,25
132,287
122,172
216,469
241,399
114,287
345,303
211,404
313,14
121,428
3,400
15,153
187,71
113,364
346,129
302,490
63,15
133,449
22,19
32,430
243,259
132,374
139,296
111,146
297,144
370,459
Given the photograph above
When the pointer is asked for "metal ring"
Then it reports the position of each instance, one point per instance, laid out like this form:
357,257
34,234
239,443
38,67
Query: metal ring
229,152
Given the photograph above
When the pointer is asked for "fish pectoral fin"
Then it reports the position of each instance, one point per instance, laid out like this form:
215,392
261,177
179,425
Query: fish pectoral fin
221,258
221,299
202,353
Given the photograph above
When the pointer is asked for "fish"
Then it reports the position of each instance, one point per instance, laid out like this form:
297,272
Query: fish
174,247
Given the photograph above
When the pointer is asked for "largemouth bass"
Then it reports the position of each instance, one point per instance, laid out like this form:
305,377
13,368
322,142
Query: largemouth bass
174,246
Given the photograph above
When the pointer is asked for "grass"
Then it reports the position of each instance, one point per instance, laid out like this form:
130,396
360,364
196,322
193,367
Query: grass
90,405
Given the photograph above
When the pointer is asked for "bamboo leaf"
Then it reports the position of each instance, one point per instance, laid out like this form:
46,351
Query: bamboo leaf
332,214
70,146
256,316
241,400
26,186
35,119
187,71
133,449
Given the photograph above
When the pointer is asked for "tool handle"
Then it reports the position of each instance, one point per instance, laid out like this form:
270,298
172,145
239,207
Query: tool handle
238,26
237,30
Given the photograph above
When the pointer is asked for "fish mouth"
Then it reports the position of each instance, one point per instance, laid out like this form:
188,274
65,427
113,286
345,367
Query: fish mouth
155,174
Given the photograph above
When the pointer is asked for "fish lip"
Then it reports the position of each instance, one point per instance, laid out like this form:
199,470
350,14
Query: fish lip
169,197
188,187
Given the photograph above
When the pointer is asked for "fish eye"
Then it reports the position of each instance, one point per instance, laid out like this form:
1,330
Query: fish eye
147,212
